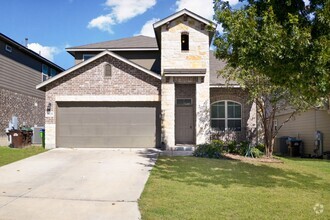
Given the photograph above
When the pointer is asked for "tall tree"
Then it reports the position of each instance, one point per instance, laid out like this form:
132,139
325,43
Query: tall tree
278,50
283,39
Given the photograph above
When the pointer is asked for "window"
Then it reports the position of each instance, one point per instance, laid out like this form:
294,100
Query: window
8,48
183,102
45,72
226,115
184,41
87,56
53,72
107,70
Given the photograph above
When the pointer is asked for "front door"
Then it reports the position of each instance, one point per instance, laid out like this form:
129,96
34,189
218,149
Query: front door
184,124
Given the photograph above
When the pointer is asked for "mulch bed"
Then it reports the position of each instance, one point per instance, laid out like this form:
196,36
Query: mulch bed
249,159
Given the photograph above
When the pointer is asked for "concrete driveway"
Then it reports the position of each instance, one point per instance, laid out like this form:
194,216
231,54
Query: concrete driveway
75,184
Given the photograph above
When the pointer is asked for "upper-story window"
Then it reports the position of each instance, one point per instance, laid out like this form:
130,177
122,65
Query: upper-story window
226,115
185,41
47,72
87,56
44,72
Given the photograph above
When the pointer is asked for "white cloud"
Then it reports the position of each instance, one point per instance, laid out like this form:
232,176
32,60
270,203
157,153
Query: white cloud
102,22
148,29
121,11
203,8
45,51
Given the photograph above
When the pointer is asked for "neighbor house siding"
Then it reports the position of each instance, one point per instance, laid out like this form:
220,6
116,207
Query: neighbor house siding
19,56
19,78
18,94
304,125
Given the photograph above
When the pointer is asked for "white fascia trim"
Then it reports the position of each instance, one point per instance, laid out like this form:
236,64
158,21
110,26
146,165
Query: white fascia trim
93,59
108,98
180,13
225,86
114,49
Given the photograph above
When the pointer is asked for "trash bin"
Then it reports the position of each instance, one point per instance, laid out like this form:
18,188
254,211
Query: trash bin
17,139
42,136
295,148
283,145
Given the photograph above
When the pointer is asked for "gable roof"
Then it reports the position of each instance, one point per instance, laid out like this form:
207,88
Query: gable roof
140,43
29,52
180,13
42,85
157,26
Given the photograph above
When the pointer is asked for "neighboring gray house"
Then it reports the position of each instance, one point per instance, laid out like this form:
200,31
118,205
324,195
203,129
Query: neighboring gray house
146,92
21,70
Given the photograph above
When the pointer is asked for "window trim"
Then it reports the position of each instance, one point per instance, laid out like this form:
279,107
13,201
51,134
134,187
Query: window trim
44,76
105,73
8,48
226,119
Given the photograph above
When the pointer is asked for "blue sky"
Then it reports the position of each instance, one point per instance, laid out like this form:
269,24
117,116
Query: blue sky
53,25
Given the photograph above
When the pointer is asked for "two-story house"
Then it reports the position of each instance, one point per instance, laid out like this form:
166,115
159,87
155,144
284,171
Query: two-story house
146,92
21,70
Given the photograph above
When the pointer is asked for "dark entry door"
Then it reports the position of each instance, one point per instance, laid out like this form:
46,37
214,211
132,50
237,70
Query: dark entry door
184,125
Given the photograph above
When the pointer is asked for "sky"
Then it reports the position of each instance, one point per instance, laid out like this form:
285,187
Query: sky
53,25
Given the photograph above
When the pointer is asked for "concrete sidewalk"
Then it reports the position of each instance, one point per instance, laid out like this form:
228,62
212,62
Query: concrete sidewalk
76,184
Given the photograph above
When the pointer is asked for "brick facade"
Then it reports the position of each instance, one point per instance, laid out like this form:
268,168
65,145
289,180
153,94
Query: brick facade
90,80
28,109
249,125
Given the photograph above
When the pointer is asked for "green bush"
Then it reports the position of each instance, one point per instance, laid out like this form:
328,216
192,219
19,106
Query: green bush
256,152
260,147
212,150
239,148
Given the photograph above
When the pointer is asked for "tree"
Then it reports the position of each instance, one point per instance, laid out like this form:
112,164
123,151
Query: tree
270,99
282,39
280,55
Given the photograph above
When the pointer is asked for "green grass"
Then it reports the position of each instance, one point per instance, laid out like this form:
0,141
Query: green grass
199,188
9,155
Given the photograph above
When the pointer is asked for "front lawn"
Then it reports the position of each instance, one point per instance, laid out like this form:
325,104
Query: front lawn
9,155
199,188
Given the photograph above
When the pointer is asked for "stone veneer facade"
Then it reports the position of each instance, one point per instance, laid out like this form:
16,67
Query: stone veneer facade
89,83
28,109
197,57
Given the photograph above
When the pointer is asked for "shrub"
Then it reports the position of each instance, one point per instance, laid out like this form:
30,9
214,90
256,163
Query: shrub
260,147
256,152
240,148
212,150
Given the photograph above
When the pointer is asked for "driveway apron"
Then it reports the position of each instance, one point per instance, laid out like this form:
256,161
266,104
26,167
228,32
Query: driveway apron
76,184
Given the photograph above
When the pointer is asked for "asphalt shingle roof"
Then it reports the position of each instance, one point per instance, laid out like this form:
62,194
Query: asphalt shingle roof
124,43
